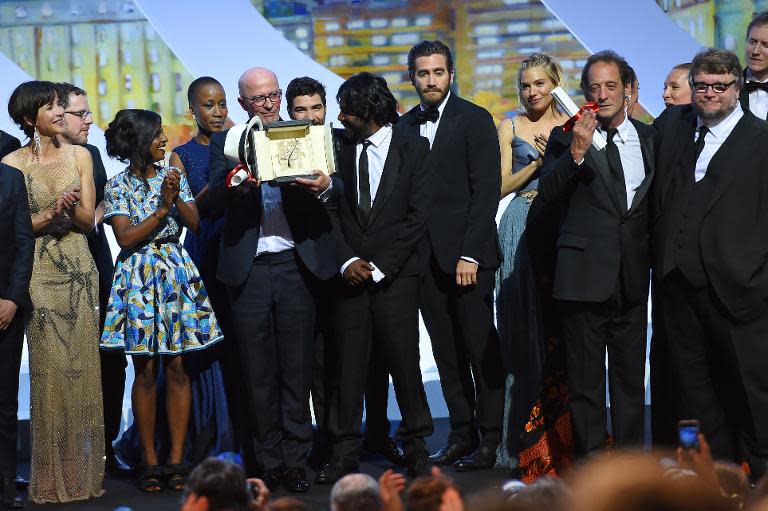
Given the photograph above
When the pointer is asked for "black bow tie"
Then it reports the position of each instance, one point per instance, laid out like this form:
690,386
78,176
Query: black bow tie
430,114
753,86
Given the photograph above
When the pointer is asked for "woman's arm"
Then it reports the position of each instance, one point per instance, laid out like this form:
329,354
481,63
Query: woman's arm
128,235
512,182
83,212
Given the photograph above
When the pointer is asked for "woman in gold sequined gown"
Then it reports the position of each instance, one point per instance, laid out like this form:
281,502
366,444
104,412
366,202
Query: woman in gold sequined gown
66,416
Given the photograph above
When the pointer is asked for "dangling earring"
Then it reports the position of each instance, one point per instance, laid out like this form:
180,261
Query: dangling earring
38,143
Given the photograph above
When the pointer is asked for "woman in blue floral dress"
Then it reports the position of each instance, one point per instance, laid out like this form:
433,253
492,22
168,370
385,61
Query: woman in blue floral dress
158,306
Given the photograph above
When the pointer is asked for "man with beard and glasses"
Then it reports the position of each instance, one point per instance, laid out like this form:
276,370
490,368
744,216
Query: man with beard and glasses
306,101
276,244
77,123
379,216
463,254
710,248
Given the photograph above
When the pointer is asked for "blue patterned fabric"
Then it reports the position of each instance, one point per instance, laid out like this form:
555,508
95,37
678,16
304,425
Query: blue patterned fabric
517,312
158,304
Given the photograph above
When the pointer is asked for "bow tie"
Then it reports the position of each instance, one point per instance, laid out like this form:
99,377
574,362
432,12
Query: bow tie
753,86
430,114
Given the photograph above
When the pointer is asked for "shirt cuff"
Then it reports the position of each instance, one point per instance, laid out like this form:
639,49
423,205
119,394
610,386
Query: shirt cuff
469,260
326,194
377,275
345,265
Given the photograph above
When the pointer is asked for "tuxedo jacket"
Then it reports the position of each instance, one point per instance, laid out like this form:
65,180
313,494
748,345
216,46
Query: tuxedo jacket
8,144
97,238
17,241
464,173
734,247
398,217
307,218
743,95
600,238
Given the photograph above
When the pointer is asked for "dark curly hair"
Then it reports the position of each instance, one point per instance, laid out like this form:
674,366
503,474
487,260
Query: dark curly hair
27,99
303,86
129,136
222,483
367,96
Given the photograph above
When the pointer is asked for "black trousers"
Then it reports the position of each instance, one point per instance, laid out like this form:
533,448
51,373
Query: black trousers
466,348
11,341
720,370
588,329
663,419
379,321
273,318
324,376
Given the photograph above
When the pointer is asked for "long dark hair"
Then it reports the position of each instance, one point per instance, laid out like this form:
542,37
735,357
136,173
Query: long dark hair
367,96
129,136
27,99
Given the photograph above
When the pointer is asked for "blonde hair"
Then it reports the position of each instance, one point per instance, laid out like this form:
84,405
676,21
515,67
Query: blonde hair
551,67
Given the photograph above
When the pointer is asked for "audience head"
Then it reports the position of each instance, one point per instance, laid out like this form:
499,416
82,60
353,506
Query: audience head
288,504
637,482
757,46
430,68
677,90
365,104
716,79
216,485
545,493
633,98
35,105
537,76
306,100
607,80
356,492
77,115
136,137
733,482
260,94
207,104
429,493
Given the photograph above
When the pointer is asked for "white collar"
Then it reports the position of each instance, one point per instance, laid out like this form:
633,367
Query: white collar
724,127
381,134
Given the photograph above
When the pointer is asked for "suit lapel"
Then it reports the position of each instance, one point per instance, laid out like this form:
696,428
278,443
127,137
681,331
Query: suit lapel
389,176
449,121
743,95
598,161
646,147
722,165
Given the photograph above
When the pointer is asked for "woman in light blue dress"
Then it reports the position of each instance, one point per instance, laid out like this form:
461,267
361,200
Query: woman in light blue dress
158,307
522,140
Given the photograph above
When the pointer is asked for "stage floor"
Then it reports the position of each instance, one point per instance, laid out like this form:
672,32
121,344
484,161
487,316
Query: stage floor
124,494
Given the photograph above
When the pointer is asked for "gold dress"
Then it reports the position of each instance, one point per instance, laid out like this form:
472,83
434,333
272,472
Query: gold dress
66,414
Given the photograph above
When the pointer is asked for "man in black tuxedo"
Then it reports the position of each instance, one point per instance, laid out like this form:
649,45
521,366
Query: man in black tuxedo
379,214
17,245
753,96
710,252
276,243
306,102
603,255
77,122
8,144
463,254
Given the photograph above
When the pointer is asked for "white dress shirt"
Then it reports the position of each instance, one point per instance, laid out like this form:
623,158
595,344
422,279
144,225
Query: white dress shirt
758,100
428,130
715,138
377,157
631,154
274,233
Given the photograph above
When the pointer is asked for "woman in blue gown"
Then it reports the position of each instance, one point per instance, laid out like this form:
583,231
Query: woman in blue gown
210,428
519,317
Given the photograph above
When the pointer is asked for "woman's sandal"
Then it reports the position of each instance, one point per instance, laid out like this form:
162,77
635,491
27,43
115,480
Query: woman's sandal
177,476
149,478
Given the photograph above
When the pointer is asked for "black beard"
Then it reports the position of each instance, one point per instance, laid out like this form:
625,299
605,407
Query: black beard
437,103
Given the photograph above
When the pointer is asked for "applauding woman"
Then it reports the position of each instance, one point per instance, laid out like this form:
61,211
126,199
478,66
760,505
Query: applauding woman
158,307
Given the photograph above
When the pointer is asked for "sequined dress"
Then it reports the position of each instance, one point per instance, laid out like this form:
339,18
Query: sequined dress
66,415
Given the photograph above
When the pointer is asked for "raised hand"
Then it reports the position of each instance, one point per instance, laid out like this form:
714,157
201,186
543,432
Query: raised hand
583,131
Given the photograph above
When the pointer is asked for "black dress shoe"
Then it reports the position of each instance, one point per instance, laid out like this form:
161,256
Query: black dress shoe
295,480
273,478
483,458
9,499
419,464
387,448
336,469
450,453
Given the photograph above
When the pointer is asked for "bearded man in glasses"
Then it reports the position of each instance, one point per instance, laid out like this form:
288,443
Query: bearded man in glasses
710,220
276,246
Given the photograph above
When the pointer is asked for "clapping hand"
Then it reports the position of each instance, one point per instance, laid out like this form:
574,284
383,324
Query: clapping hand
391,484
169,190
540,141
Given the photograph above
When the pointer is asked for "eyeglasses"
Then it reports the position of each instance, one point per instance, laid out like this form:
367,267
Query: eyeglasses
83,114
719,88
274,97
